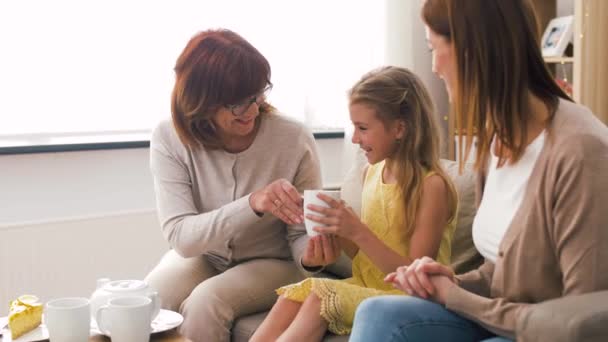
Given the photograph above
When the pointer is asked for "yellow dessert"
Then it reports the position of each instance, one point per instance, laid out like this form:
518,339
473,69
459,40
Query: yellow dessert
25,315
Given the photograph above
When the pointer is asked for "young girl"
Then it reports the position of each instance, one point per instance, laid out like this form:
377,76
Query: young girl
408,209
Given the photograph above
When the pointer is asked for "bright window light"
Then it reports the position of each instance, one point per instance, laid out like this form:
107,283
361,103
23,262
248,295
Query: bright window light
73,66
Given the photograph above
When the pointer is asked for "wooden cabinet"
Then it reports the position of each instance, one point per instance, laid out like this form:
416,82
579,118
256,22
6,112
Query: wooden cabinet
584,68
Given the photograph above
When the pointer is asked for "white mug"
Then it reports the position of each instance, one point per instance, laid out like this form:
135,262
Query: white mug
126,319
68,319
310,197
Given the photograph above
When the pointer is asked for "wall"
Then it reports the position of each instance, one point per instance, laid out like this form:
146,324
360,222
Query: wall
565,7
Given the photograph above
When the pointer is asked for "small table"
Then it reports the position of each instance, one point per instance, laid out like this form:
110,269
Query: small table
167,336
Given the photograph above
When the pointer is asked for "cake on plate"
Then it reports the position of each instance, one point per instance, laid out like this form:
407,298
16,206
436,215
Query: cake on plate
25,315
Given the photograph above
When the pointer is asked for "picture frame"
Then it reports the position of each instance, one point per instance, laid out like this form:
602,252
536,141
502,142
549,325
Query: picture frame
557,35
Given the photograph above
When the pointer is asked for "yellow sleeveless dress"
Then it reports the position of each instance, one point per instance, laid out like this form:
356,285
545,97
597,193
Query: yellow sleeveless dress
383,212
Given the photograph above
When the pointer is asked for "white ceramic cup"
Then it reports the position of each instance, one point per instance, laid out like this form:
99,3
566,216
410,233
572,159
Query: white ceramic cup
68,319
126,319
310,197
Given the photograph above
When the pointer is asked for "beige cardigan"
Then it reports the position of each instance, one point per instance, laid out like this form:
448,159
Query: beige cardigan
202,195
557,243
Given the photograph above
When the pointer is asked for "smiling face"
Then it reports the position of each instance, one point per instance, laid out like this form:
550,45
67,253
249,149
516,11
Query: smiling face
231,127
372,135
444,61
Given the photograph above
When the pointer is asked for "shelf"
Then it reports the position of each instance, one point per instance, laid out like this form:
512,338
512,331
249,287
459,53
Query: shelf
559,59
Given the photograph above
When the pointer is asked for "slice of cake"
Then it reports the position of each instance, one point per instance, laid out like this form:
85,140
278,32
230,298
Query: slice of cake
25,315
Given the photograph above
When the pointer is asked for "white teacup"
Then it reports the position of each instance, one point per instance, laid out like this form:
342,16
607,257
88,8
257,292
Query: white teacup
310,197
126,319
68,319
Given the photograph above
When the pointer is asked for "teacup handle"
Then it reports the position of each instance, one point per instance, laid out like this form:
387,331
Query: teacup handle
99,319
155,304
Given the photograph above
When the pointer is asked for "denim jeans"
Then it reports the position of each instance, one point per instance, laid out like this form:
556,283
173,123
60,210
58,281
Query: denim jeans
407,318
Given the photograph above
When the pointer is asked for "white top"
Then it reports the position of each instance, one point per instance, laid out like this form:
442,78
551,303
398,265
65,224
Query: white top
503,193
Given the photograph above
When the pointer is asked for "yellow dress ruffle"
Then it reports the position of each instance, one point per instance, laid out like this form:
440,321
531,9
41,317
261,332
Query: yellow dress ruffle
383,212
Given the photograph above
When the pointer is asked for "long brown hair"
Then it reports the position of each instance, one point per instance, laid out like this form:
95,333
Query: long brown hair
498,63
216,68
398,94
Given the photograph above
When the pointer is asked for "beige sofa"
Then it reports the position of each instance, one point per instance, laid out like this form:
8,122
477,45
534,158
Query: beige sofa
464,255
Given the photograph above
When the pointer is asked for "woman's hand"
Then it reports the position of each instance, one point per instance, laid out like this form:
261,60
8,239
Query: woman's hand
442,284
280,199
321,250
339,219
423,278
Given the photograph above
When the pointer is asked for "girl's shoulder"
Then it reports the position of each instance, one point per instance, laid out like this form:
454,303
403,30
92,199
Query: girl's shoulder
434,183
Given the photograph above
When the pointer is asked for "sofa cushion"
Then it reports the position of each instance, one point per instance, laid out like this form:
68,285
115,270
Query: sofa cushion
352,184
464,254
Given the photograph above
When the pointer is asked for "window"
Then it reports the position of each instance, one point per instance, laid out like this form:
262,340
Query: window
106,66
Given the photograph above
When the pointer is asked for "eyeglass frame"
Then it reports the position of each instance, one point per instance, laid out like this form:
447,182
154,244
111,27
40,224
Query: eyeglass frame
243,107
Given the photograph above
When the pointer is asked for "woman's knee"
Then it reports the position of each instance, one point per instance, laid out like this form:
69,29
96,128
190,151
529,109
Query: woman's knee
207,307
171,297
378,307
395,317
175,277
388,308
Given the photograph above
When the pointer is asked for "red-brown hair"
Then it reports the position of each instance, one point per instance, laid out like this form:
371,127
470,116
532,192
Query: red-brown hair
216,68
498,63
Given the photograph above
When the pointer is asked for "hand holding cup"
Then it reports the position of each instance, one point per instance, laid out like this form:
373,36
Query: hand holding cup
279,198
332,216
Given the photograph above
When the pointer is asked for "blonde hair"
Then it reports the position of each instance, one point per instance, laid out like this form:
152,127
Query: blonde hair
397,94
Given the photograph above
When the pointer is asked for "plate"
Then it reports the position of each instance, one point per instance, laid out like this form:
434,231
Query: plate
166,320
38,334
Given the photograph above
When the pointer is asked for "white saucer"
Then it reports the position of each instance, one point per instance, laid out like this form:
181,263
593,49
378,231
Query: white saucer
166,320
38,334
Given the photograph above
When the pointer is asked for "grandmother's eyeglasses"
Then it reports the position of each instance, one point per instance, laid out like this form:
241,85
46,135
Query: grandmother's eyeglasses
241,108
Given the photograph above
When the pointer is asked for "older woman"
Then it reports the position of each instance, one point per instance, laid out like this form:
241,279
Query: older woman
542,160
227,173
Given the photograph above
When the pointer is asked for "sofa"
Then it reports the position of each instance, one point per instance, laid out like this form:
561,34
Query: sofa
582,318
464,255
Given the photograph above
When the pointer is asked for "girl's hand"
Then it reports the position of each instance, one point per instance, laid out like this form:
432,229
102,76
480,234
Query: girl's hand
339,219
321,250
419,278
280,199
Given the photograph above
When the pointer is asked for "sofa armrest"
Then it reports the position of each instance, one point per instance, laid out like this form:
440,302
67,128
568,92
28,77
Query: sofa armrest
573,318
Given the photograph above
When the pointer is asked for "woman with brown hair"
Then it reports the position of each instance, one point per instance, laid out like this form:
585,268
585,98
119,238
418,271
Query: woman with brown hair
542,162
228,172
